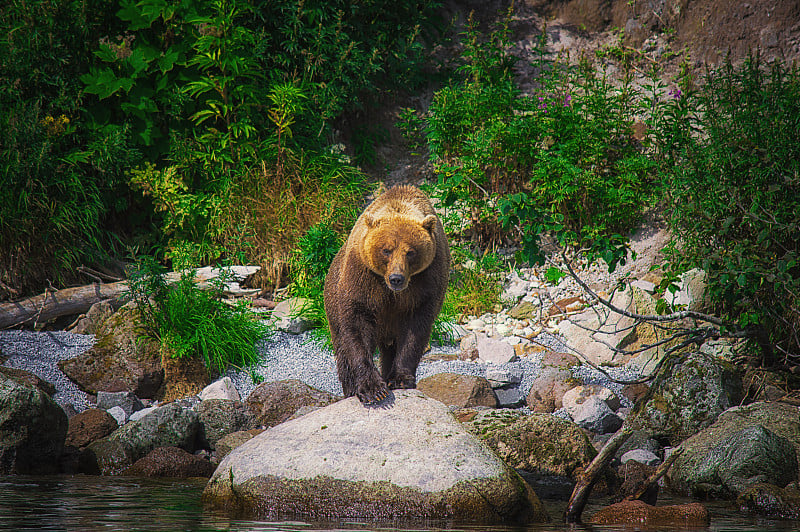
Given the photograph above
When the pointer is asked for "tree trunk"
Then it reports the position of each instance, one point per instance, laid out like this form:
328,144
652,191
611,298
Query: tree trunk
54,304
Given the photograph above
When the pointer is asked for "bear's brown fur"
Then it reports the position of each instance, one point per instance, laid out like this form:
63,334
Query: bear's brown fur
383,290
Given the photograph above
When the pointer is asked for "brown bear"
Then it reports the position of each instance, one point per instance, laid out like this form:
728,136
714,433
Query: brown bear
383,290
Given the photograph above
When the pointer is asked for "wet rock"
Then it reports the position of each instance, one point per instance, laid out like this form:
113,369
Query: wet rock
125,400
552,382
171,462
639,513
771,501
219,417
166,426
457,390
547,450
120,360
273,403
32,429
634,476
731,465
88,426
410,460
689,398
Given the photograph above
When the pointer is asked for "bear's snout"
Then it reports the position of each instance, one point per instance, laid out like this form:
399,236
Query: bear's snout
397,282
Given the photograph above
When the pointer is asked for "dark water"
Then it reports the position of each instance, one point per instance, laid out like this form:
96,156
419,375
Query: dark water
128,504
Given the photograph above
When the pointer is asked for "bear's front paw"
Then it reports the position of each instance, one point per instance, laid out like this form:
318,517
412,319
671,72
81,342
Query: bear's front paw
372,392
403,382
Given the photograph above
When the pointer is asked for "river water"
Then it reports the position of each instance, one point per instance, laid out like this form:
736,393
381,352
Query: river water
94,504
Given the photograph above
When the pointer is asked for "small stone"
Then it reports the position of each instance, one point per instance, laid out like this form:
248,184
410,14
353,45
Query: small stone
125,400
642,456
469,347
221,389
503,329
119,414
513,340
500,376
475,325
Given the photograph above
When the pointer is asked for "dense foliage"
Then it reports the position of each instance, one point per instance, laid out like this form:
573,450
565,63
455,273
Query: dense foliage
194,127
735,197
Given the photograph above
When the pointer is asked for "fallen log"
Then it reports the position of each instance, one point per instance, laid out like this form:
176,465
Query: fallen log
56,303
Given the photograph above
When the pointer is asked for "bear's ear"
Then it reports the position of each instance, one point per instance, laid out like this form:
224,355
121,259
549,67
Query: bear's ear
371,221
429,223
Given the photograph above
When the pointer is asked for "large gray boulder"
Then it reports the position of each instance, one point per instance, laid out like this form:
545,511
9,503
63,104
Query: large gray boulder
168,426
32,429
748,445
410,460
220,417
689,398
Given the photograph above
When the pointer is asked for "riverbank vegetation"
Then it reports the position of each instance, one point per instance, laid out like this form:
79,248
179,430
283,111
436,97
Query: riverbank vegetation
205,130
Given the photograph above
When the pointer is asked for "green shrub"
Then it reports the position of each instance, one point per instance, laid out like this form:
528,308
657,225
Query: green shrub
563,161
194,322
735,196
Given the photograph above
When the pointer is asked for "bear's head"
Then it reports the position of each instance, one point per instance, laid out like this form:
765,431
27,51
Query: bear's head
398,247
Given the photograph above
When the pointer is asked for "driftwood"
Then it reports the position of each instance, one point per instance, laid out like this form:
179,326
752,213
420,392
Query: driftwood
587,479
57,303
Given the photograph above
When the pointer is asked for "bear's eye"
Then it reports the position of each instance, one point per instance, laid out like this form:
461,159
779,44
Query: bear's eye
410,254
386,252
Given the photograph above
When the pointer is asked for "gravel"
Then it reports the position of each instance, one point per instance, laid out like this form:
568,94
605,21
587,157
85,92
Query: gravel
283,356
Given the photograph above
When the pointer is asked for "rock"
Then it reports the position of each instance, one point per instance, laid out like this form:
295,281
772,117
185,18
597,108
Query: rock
23,377
120,360
733,464
771,501
273,403
689,397
503,376
170,462
509,396
494,351
183,376
451,332
90,322
287,316
219,417
166,426
88,426
692,293
32,429
595,415
639,513
409,460
469,347
118,414
125,400
139,414
221,389
457,390
640,439
634,476
555,378
566,305
575,398
233,440
524,310
642,456
548,450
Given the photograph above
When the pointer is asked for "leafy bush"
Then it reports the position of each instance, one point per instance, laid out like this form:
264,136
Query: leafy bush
475,284
563,161
194,322
735,196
